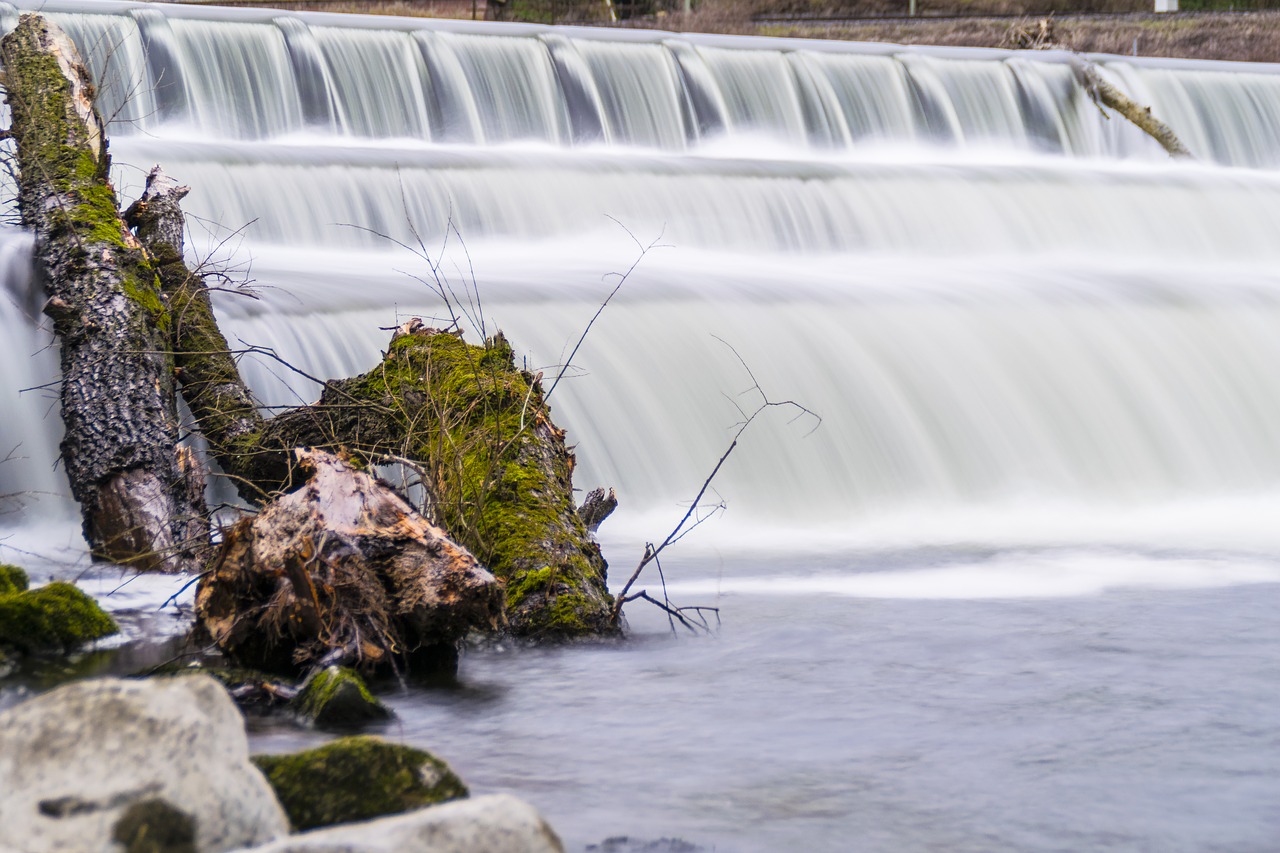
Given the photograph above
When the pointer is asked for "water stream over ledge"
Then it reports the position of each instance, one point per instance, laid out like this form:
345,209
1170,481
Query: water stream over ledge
1016,593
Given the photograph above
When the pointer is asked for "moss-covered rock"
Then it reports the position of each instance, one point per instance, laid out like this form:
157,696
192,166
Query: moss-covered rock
357,778
12,579
337,697
55,617
155,826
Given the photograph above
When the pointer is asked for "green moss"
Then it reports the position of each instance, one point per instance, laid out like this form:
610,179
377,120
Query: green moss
145,290
54,617
39,98
338,697
470,412
54,144
538,580
357,778
569,615
96,217
12,579
155,826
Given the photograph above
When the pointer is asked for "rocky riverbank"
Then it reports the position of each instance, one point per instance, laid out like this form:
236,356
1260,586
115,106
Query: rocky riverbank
163,764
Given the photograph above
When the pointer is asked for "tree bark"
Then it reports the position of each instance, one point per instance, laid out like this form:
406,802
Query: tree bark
211,385
120,449
1141,116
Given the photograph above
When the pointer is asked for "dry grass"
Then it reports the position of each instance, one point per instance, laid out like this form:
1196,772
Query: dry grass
740,15
1245,36
1249,37
403,8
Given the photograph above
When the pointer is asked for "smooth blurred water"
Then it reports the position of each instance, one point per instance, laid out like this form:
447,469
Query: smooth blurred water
1132,720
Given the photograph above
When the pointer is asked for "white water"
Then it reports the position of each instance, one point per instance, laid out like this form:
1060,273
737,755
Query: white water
982,328
1045,359
253,74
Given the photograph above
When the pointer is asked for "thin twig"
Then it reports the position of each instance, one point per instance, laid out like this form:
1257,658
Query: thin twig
622,279
694,515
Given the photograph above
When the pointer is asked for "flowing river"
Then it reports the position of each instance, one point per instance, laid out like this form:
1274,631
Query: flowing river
1015,591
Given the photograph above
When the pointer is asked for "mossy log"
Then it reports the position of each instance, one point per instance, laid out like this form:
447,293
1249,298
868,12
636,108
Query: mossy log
252,691
496,466
332,698
120,448
342,570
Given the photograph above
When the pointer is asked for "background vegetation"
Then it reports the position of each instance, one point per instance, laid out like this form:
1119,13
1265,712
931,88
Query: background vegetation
1246,30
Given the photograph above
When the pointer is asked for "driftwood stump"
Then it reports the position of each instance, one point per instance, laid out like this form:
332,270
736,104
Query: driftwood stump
343,571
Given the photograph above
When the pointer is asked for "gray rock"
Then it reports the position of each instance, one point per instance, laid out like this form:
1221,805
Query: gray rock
101,760
497,823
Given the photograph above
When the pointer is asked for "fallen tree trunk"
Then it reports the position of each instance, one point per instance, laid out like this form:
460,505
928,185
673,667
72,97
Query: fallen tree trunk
211,385
342,571
477,429
139,503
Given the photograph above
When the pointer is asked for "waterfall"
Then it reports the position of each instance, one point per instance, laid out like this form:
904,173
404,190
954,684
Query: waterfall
992,295
255,74
29,440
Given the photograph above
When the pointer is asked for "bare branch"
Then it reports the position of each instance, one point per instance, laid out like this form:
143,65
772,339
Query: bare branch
644,251
698,513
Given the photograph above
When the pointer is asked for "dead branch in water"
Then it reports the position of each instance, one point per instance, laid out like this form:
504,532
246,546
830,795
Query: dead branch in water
698,511
1042,36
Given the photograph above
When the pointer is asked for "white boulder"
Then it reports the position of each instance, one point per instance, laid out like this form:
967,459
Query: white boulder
76,760
498,823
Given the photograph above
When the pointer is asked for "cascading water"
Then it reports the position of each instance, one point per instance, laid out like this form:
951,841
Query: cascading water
990,292
1021,325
